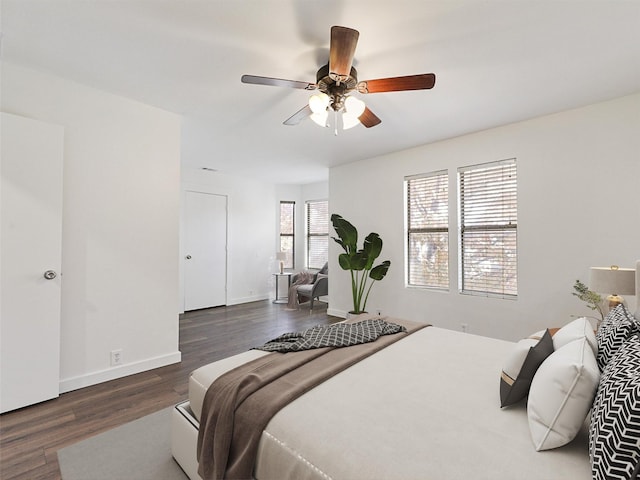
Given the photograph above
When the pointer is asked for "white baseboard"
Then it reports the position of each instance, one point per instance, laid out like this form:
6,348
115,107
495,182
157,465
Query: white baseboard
238,301
336,313
81,381
253,298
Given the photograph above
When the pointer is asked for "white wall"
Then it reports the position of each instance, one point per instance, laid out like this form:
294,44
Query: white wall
315,191
120,224
251,248
578,206
253,229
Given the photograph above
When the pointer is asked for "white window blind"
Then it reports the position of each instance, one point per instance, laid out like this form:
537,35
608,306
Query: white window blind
428,230
317,233
488,228
287,232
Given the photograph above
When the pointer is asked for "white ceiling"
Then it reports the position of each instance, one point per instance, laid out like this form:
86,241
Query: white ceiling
496,62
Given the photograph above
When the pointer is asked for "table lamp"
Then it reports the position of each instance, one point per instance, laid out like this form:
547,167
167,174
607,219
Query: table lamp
281,257
614,281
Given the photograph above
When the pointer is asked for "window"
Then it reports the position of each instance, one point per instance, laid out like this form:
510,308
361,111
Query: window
488,228
287,232
428,230
317,233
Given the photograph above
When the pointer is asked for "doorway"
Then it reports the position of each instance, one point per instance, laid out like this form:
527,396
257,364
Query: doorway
205,252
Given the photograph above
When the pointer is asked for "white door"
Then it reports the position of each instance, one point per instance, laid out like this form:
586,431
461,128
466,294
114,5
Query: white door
30,250
205,254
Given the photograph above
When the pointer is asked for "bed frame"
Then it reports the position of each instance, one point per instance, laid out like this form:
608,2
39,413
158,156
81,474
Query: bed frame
427,406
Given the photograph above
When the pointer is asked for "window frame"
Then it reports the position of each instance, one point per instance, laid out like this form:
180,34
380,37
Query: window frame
290,262
441,181
484,218
314,235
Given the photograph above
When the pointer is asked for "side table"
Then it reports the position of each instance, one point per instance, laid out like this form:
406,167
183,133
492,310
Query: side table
286,298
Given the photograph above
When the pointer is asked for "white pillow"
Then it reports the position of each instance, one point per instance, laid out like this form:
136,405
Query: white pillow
562,392
579,328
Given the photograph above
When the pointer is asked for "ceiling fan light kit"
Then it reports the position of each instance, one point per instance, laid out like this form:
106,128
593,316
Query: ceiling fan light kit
337,81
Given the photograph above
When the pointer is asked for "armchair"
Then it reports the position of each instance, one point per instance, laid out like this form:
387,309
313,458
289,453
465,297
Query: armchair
320,287
311,291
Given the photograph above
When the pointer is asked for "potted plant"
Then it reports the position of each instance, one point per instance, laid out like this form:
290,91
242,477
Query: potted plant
359,262
591,298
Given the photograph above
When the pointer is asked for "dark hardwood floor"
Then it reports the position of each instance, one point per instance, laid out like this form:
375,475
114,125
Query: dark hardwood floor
31,436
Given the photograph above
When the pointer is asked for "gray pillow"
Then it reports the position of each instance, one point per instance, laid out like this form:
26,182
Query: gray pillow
521,366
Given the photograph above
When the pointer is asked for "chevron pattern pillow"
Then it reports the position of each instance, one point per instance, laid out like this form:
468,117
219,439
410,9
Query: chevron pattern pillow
617,326
614,433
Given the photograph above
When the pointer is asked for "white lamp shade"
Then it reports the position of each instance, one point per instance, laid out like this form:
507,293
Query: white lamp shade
349,120
354,106
281,256
320,118
319,102
612,280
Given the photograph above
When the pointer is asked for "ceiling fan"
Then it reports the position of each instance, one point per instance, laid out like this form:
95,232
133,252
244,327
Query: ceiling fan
337,80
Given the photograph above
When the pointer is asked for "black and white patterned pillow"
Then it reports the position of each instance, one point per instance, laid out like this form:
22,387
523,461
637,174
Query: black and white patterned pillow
614,432
617,326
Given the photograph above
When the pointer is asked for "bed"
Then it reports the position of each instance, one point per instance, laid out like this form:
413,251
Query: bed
424,407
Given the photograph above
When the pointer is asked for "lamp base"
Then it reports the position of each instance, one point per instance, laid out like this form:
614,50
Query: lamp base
281,267
614,300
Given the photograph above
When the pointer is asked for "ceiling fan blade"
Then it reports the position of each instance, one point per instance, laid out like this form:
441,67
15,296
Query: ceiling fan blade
423,81
296,118
341,51
277,82
368,118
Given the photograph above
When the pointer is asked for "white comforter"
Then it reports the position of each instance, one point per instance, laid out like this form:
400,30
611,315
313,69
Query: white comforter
426,407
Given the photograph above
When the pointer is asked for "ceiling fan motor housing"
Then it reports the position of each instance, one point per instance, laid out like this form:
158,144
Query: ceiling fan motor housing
337,91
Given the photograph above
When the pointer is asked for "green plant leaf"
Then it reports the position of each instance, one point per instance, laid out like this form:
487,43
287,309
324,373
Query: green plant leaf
591,298
347,232
359,260
380,271
372,248
344,260
340,242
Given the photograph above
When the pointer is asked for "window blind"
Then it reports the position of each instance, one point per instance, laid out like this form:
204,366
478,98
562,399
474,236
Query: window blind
488,228
317,233
287,232
428,230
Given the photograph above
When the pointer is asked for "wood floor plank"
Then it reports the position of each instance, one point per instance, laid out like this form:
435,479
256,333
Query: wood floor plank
31,436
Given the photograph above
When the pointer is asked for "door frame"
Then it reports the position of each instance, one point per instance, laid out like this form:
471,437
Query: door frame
182,243
31,330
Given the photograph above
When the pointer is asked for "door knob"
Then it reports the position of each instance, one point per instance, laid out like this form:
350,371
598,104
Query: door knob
50,274
188,257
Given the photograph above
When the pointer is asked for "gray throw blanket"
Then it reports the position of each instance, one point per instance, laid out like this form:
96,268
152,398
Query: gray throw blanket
336,335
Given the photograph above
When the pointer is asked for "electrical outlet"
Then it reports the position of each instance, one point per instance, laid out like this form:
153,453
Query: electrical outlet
116,357
464,327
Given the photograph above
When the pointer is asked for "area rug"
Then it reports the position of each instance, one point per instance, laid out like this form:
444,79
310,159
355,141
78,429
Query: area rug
139,450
